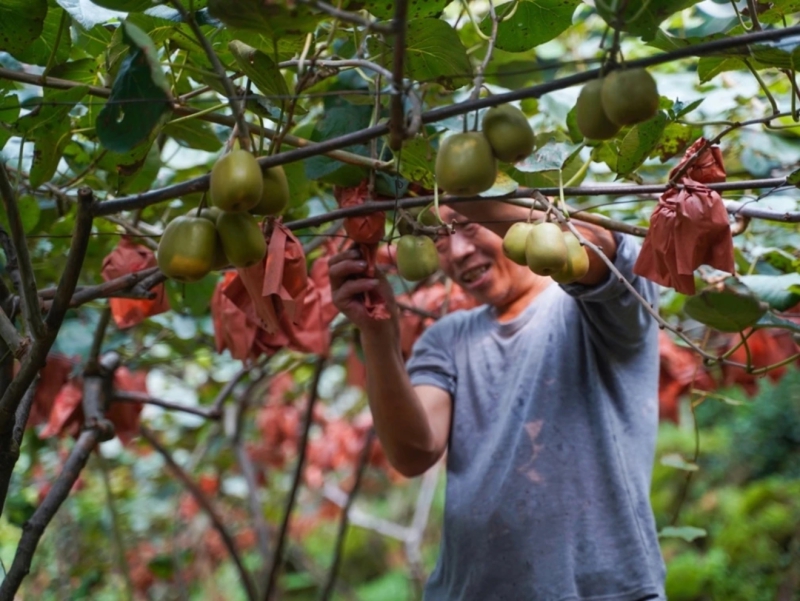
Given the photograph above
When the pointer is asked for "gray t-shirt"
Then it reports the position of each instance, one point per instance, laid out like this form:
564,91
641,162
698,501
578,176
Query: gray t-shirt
552,443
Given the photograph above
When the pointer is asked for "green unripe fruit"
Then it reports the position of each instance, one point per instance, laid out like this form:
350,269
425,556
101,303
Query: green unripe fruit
545,249
186,249
242,239
236,182
275,194
577,264
465,164
515,241
212,213
509,133
592,120
417,258
629,96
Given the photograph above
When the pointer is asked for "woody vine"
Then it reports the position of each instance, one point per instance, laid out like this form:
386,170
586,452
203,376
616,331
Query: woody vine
340,97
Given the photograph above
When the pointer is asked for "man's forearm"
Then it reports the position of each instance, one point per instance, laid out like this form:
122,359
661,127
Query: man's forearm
401,421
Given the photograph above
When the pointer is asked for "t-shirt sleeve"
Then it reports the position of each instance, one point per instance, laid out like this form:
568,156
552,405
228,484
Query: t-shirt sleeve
615,316
432,360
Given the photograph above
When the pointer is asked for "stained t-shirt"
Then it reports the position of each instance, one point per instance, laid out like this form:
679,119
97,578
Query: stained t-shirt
551,448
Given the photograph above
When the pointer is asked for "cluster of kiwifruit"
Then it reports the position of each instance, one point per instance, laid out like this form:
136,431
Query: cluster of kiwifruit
466,164
547,250
623,97
227,232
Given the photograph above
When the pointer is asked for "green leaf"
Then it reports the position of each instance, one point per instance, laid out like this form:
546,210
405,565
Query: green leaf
503,185
270,19
678,462
641,21
9,113
733,309
434,53
193,299
770,320
194,134
418,162
534,22
639,142
29,212
708,67
675,139
139,98
417,9
83,70
50,112
687,533
794,178
338,121
133,171
21,22
43,51
774,289
262,70
125,5
51,140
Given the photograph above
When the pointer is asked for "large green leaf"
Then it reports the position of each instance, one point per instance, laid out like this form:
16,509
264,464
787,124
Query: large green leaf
21,22
338,121
53,45
267,18
534,22
417,162
732,309
83,70
51,141
770,320
434,53
262,70
774,289
639,142
194,134
47,113
642,20
139,98
417,9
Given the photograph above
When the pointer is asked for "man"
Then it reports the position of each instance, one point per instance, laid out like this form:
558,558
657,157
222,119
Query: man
545,397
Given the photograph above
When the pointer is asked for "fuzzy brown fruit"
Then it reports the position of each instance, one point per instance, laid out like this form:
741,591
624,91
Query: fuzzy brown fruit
515,241
236,182
465,164
592,120
275,195
212,214
577,261
509,133
545,249
629,96
417,258
186,249
242,239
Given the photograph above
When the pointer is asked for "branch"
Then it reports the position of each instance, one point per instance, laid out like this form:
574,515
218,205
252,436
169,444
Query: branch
277,558
204,502
8,332
123,396
481,69
397,118
34,528
363,460
72,269
237,106
33,313
349,17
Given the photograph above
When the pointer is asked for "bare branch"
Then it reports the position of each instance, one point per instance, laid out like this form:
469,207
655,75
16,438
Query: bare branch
34,528
481,69
123,396
206,505
361,467
8,332
397,119
30,302
277,557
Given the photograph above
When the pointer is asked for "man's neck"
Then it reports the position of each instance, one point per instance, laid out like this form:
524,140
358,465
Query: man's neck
509,311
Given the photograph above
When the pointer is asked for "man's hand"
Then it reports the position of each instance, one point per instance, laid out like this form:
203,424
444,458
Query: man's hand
349,283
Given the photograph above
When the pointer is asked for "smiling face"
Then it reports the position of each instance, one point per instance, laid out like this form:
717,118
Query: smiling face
473,258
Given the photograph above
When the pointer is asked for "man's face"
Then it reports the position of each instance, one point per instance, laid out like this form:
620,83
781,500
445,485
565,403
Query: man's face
472,256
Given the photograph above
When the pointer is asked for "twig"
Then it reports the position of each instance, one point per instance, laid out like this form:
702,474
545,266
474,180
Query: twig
30,302
363,460
24,411
397,118
99,334
237,106
8,332
227,389
480,69
206,505
349,17
119,542
34,528
123,396
752,9
277,557
345,62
